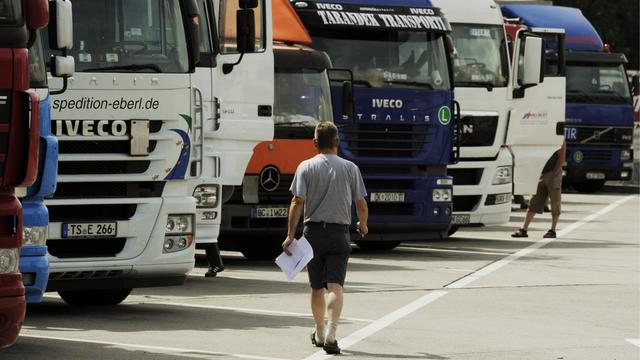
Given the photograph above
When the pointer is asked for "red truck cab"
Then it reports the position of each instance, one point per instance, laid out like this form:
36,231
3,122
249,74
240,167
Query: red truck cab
19,140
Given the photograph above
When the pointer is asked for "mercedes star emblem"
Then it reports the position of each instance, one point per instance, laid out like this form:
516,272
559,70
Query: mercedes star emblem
270,178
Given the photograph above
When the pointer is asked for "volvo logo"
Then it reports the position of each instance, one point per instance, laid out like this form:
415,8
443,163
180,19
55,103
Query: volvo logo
270,178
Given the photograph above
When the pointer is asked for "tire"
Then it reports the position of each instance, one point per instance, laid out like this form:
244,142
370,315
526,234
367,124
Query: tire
453,229
377,245
260,252
588,186
95,297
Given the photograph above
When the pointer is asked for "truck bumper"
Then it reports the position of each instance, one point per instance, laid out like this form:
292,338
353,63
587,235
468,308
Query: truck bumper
34,267
12,308
474,196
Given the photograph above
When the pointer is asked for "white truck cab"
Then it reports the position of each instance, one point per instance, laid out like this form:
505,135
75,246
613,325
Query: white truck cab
508,125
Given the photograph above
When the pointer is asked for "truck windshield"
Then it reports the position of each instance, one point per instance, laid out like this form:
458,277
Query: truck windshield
37,70
129,36
479,56
597,83
302,97
398,59
10,12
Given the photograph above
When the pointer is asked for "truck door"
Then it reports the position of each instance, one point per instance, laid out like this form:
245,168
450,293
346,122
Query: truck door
243,85
537,113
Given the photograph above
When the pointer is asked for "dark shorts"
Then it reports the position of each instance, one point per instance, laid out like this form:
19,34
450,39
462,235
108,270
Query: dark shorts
549,188
331,249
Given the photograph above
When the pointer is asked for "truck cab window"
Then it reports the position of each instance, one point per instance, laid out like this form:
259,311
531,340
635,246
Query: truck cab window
10,12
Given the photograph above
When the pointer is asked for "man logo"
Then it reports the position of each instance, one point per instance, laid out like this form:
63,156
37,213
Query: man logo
270,178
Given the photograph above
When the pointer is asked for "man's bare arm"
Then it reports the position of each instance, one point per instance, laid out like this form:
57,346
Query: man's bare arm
562,158
295,212
363,216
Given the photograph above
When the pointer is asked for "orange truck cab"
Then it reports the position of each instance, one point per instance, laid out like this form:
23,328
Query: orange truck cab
254,218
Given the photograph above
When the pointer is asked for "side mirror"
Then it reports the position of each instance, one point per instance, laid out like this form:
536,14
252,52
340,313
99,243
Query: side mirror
62,66
248,4
635,85
61,25
348,104
191,16
246,30
36,13
533,73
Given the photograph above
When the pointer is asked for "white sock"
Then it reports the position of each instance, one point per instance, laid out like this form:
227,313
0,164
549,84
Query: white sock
319,334
330,333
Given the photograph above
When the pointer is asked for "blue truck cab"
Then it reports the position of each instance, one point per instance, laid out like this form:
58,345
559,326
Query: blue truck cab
400,128
599,105
34,264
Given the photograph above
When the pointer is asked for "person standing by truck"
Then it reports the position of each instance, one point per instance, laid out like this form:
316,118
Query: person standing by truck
549,186
325,187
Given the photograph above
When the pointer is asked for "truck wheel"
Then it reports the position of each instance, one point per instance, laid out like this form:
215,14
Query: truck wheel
453,229
95,297
377,245
588,186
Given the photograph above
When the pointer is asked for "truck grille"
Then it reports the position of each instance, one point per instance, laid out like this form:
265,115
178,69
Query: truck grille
465,203
385,140
99,147
281,195
600,135
98,274
596,156
397,209
58,213
105,190
479,130
465,176
106,167
85,248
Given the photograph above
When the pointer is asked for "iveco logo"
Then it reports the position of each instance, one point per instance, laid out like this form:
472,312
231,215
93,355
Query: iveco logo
324,6
91,127
270,178
387,103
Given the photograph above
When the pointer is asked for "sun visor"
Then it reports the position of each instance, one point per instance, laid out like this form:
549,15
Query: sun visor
372,17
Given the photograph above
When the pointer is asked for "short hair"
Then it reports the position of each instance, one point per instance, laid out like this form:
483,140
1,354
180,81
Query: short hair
326,135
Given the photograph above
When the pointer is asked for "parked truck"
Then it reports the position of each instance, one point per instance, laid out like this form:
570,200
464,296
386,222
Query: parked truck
122,216
254,219
34,264
495,134
19,130
401,130
599,105
233,88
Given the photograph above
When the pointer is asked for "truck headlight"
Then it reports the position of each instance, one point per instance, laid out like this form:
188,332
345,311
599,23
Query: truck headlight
179,224
502,176
625,155
441,195
206,195
34,235
9,260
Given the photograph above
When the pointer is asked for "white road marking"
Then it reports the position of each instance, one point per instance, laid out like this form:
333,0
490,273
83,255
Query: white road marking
461,283
430,297
245,310
635,342
155,349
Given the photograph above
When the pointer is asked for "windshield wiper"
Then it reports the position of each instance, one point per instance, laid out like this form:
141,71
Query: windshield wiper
581,92
300,123
612,92
484,84
413,83
153,67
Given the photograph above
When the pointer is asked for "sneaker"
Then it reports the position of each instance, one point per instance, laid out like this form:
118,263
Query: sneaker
213,271
331,348
316,341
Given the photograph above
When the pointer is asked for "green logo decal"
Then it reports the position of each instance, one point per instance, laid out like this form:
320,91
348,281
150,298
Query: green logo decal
578,156
444,115
188,119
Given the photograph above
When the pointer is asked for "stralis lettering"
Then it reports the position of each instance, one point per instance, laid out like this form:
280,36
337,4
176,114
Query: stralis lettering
91,127
394,21
386,103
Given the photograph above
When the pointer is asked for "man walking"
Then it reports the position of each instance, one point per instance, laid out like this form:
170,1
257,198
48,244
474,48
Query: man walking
549,186
324,187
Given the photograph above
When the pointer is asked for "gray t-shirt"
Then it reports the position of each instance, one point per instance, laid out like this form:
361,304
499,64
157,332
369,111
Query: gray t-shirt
328,184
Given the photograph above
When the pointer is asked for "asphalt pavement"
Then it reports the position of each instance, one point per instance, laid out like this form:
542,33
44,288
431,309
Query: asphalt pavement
479,295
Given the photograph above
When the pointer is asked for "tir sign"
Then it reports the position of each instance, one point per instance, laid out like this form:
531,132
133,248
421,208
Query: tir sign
570,133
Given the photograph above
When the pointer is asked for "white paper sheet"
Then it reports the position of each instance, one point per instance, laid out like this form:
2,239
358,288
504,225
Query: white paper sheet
301,254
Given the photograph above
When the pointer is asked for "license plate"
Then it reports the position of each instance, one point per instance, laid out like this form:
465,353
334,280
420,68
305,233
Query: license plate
83,230
270,212
387,197
595,176
460,219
